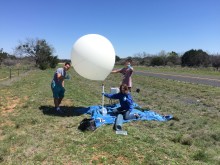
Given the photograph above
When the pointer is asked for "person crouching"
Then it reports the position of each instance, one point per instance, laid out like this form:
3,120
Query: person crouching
126,102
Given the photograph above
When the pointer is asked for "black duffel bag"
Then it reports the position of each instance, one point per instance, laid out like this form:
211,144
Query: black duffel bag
87,125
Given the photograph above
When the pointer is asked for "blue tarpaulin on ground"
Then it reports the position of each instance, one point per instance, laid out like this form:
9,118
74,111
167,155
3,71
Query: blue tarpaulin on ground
95,112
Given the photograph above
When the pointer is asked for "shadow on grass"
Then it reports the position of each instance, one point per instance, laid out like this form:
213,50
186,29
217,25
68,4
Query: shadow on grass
67,111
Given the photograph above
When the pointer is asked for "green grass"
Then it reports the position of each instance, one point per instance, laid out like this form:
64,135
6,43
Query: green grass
31,134
209,71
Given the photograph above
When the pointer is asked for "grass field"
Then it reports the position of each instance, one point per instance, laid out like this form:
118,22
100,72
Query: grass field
30,133
209,71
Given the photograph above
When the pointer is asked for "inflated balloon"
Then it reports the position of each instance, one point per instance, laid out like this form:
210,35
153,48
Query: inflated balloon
93,57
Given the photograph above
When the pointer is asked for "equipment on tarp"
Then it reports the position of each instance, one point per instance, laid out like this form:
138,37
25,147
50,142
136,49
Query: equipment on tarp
120,132
114,90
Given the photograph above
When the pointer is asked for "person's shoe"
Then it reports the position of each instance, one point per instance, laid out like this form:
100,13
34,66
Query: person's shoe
114,127
136,115
59,110
117,128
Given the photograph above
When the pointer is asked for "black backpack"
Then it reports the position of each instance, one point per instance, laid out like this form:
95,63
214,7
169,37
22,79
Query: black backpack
87,125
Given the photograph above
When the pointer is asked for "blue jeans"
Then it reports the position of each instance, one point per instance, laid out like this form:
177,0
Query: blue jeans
125,113
122,115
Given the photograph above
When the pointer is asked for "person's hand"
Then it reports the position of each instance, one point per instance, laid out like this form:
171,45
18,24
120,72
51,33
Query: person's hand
124,99
67,77
53,84
103,93
130,67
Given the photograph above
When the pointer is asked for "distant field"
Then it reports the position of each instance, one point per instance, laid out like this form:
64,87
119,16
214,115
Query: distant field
184,70
30,133
209,71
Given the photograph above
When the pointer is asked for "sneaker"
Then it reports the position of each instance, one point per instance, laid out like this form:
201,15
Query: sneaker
59,110
136,115
117,128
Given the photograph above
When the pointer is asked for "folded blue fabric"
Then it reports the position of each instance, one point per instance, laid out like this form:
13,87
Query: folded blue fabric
95,113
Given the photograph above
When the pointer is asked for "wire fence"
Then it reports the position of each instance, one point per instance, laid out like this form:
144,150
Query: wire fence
9,73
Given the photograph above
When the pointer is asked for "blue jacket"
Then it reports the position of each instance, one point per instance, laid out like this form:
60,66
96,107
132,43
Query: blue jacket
125,100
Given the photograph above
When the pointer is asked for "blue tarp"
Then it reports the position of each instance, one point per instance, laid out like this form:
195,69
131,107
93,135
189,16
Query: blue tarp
95,112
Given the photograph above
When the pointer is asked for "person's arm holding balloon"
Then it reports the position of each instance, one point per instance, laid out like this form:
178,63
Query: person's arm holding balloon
116,71
67,77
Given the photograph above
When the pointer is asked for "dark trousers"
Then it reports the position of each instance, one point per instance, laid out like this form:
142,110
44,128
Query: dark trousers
122,115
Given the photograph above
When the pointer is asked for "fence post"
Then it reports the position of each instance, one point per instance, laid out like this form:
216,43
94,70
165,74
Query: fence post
10,73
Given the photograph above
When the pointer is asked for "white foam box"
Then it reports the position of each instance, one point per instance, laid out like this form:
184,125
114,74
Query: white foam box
115,90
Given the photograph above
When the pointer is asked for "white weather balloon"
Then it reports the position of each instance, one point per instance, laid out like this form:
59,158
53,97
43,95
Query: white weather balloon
93,57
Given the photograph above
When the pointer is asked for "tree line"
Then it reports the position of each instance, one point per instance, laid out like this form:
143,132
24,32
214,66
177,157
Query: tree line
41,53
191,58
38,51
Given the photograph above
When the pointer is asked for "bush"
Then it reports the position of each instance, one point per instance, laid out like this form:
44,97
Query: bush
39,50
54,61
43,65
10,62
157,61
195,58
215,60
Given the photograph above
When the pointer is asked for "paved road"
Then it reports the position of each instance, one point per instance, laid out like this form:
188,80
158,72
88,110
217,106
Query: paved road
186,78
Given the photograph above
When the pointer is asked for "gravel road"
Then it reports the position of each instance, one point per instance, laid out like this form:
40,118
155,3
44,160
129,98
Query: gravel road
206,80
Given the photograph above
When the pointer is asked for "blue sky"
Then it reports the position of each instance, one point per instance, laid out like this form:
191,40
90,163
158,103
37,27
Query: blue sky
132,26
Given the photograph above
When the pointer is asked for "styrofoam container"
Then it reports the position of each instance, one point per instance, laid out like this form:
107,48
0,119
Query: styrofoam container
120,132
115,90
